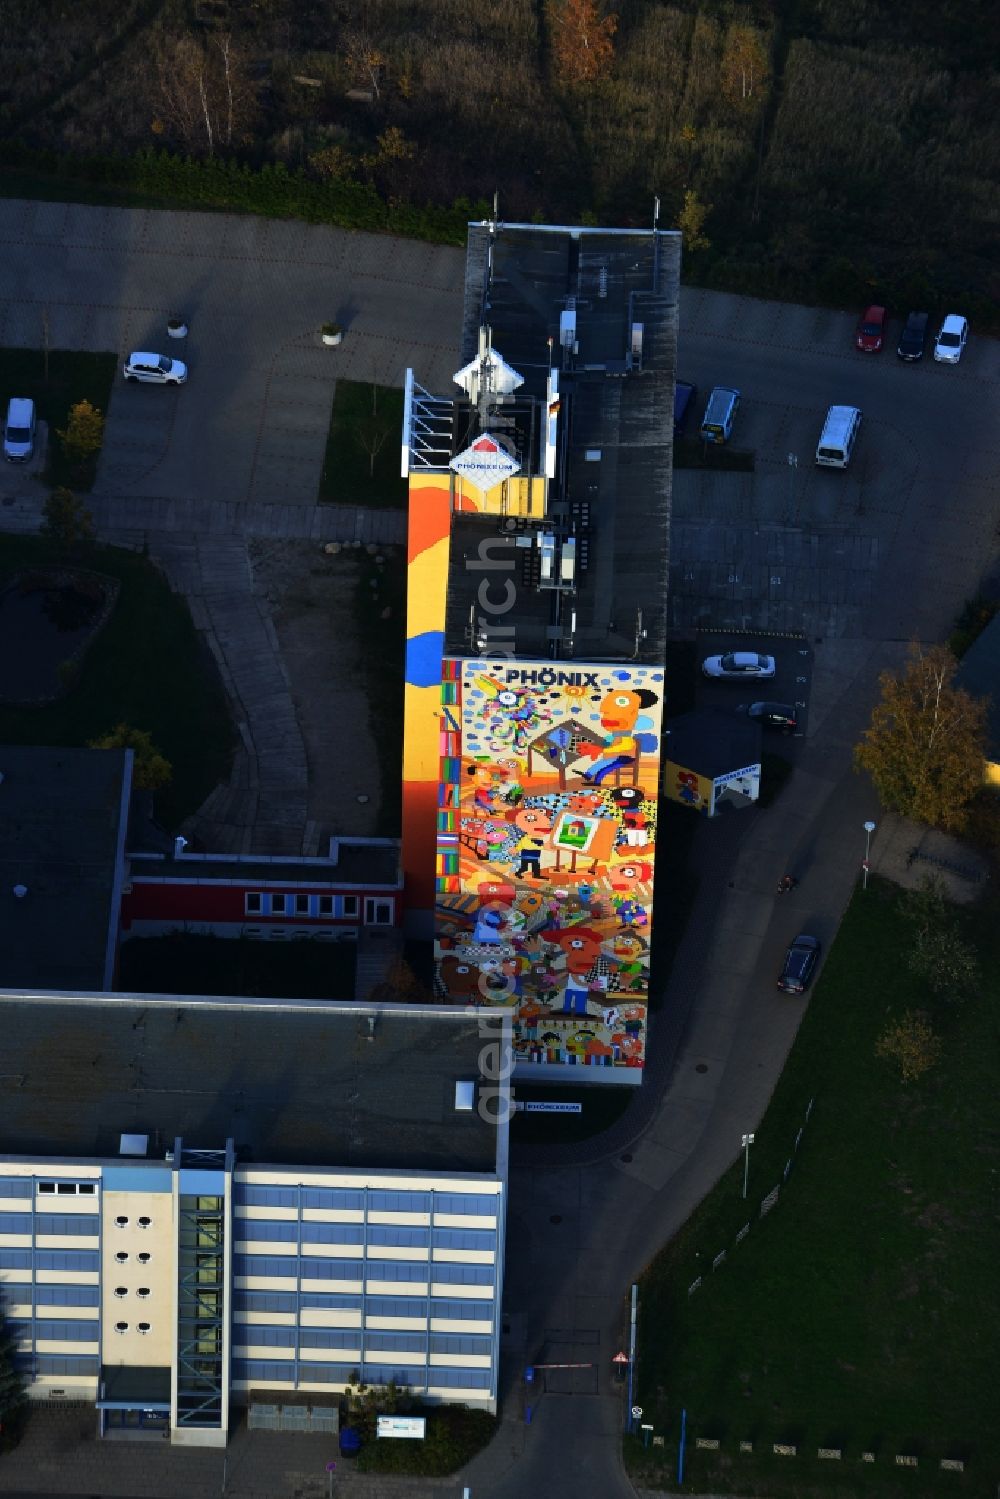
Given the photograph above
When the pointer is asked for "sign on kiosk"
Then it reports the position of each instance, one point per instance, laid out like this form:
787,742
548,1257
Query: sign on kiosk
402,1426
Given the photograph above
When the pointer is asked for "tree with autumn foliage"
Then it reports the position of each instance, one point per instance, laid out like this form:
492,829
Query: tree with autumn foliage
581,40
924,748
743,71
150,769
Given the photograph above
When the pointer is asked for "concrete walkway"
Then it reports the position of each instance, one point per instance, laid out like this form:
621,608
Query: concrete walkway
262,810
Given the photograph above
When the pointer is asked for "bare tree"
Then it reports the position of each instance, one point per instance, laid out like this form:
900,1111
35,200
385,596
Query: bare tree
205,93
366,60
373,433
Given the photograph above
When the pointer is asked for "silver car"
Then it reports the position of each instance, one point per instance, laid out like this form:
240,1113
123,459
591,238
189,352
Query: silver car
738,666
951,339
155,369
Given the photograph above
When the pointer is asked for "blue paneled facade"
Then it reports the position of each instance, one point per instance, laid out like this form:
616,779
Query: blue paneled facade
31,1271
411,1286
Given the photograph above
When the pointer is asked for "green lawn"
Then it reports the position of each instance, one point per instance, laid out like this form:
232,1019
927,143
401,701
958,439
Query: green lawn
861,1313
361,466
189,963
454,1435
72,377
148,668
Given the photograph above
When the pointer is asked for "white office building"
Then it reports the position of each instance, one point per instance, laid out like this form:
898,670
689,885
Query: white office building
204,1201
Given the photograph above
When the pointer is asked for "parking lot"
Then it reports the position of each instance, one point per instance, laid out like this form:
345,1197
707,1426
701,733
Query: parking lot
790,684
250,426
840,554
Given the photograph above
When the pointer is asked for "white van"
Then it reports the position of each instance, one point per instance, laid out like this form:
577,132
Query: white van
839,434
19,430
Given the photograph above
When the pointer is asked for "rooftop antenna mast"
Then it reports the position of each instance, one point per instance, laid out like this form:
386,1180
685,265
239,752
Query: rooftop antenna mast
494,225
656,241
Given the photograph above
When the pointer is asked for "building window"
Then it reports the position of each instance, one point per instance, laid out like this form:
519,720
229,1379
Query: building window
121,1221
377,912
302,905
278,905
142,1327
326,905
143,1258
121,1327
252,903
122,1256
142,1293
66,1189
86,1189
349,905
46,1186
121,1291
144,1222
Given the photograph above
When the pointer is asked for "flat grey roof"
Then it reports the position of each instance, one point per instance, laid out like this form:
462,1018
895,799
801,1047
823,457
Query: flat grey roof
356,865
62,819
615,481
291,1083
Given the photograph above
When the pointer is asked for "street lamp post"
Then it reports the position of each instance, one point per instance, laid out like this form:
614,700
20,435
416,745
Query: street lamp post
869,830
747,1142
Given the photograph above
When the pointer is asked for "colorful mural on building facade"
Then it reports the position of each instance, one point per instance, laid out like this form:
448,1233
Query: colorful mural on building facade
545,851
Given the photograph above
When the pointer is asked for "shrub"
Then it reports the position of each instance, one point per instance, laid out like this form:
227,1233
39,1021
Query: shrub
151,771
911,1043
937,951
84,432
66,519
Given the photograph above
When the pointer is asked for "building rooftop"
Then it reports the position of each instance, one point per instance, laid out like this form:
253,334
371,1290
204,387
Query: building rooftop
612,487
979,673
292,1083
62,825
365,862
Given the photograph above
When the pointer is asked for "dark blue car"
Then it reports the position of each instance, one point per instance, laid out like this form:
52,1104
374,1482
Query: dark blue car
684,399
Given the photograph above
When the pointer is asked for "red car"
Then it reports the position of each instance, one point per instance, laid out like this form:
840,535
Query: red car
871,330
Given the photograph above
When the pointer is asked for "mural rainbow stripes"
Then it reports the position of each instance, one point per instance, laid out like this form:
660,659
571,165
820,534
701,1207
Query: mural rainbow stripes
426,597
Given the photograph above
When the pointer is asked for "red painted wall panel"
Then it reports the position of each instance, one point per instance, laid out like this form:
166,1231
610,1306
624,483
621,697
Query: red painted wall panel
210,902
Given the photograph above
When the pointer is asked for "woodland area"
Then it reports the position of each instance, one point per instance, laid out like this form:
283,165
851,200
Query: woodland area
841,150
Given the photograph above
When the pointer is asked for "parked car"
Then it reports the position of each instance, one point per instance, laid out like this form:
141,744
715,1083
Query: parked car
684,398
839,434
155,369
870,333
913,338
800,964
19,430
772,715
720,413
951,339
738,665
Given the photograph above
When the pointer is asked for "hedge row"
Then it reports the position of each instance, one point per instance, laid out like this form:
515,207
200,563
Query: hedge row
272,190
